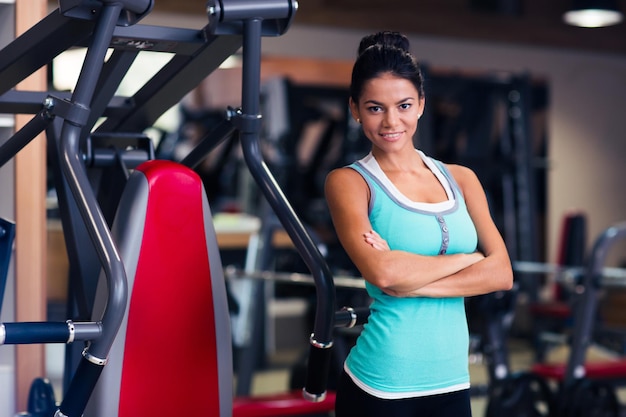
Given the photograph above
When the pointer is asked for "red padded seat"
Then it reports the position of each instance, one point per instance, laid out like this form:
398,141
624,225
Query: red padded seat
613,369
287,404
173,353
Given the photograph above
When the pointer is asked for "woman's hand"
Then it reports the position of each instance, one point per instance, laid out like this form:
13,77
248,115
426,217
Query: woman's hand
374,240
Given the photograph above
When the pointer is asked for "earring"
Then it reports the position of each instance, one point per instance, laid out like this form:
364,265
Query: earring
358,120
419,115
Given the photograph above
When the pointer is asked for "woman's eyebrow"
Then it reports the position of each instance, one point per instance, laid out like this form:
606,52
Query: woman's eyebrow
398,102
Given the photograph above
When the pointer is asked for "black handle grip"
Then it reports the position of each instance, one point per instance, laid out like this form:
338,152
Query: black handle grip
82,386
350,317
36,332
317,371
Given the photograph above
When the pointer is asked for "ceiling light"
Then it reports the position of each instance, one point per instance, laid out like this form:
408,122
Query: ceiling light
593,13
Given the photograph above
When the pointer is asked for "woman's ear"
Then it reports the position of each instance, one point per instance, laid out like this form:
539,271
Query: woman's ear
354,110
422,105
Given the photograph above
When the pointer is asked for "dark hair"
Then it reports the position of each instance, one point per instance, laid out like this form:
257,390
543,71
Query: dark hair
384,52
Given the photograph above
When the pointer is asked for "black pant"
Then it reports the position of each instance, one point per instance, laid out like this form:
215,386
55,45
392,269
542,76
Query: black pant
354,402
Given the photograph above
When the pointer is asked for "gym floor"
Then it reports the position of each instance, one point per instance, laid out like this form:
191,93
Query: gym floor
275,377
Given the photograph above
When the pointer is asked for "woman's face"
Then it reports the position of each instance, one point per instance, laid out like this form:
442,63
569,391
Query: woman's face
388,110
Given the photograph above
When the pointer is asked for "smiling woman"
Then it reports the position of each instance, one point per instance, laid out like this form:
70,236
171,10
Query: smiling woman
388,110
421,235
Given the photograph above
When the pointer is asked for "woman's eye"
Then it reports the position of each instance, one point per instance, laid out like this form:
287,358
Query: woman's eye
405,106
374,109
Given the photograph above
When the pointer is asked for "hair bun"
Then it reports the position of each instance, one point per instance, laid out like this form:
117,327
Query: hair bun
385,38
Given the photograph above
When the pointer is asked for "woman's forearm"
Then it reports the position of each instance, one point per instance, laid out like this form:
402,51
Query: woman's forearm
403,272
488,275
399,272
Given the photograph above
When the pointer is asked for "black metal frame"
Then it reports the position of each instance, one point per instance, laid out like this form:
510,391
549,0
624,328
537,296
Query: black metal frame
68,121
585,317
7,234
576,393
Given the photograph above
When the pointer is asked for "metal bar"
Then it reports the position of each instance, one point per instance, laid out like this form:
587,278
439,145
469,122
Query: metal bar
38,46
249,124
519,111
585,314
274,16
498,349
84,265
25,102
231,272
217,135
23,136
197,56
73,168
109,157
48,332
41,46
29,102
82,385
255,305
7,235
349,317
31,332
609,276
177,41
74,171
113,73
179,76
135,8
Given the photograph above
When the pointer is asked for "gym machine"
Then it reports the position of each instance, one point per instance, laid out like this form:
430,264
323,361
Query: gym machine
483,121
575,388
69,121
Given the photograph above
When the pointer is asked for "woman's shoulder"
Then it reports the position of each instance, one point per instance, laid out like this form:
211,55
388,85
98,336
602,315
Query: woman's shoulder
464,176
343,175
459,170
347,185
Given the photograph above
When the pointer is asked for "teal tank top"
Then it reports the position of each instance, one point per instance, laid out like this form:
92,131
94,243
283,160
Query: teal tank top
416,346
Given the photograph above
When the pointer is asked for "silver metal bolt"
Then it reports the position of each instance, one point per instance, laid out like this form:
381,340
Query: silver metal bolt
48,103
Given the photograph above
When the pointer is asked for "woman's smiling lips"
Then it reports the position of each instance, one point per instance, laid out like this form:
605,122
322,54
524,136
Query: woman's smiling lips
391,136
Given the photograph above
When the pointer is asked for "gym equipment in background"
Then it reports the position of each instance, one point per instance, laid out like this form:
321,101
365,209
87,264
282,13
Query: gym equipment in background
586,387
552,319
112,25
577,387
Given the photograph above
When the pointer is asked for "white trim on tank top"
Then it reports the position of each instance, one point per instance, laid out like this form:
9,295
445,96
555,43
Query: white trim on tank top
369,162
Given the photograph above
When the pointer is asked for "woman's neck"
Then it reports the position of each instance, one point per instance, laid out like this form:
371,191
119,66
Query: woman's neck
405,161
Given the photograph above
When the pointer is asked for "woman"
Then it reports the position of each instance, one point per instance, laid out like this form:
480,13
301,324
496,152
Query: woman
422,237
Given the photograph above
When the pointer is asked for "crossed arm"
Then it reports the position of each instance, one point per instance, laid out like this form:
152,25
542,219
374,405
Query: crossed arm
407,274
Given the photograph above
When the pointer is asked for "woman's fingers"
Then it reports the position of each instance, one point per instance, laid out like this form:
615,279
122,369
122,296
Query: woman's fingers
374,240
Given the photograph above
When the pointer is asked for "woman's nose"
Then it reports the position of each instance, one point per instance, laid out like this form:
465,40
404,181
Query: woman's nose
391,118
